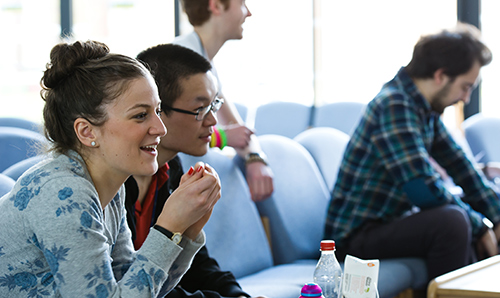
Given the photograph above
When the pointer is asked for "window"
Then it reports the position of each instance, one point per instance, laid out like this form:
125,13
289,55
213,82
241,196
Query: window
364,43
126,26
274,60
311,52
323,51
33,29
490,103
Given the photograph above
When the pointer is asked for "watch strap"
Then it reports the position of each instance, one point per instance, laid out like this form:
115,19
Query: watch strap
175,237
254,157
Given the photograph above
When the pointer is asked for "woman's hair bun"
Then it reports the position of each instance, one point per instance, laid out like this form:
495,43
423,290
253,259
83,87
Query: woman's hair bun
66,58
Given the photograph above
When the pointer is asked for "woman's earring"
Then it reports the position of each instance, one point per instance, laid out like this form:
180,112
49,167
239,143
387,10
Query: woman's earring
93,144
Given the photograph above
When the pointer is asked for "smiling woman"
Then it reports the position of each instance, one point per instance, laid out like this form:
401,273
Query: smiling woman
64,222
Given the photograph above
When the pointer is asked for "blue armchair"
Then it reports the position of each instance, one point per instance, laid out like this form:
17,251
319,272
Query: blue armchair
17,144
6,184
282,118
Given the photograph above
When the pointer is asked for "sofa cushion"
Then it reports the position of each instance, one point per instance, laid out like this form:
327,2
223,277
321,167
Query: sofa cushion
297,208
326,145
236,238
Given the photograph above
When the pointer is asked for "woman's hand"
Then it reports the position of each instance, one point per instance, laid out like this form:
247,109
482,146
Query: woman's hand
193,231
189,207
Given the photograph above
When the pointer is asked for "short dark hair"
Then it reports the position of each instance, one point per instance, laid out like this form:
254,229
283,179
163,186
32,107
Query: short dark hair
79,81
169,63
453,50
198,12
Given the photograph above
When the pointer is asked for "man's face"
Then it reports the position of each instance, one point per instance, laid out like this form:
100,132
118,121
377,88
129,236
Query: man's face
456,90
235,16
185,133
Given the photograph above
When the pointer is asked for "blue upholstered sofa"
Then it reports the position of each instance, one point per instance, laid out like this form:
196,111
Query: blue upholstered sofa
272,247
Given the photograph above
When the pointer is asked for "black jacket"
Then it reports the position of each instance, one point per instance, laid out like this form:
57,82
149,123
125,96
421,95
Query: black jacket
204,279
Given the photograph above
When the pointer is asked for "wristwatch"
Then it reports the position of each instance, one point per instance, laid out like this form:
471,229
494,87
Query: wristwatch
255,157
488,223
175,237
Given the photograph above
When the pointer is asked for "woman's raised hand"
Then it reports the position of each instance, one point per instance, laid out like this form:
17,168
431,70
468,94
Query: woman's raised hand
189,207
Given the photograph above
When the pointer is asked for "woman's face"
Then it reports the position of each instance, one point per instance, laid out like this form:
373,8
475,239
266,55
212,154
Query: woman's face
128,139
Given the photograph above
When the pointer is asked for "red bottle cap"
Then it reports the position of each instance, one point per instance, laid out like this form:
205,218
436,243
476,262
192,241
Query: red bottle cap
327,245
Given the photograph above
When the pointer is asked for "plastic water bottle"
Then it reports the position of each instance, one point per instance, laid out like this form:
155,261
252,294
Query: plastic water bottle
311,290
328,274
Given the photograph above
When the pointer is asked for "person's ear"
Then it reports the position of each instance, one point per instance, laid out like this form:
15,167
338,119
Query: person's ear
215,7
440,78
85,132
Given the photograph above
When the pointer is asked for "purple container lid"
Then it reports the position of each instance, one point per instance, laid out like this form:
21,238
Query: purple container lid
311,290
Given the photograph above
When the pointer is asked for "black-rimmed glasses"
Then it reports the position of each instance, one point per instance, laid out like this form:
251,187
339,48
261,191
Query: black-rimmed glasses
201,113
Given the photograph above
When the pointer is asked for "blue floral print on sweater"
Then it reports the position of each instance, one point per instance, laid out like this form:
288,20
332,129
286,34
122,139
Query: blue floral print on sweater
56,240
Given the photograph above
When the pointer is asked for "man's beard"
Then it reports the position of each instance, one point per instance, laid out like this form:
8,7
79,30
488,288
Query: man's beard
436,102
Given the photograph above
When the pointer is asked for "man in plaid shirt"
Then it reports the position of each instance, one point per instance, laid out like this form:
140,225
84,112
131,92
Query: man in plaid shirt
388,200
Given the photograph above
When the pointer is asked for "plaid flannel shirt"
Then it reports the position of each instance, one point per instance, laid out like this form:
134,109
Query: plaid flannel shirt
390,147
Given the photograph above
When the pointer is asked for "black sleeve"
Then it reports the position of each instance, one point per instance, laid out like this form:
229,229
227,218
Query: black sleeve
204,279
131,194
174,178
179,292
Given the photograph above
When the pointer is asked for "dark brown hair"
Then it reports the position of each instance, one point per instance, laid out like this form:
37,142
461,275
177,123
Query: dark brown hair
453,50
79,80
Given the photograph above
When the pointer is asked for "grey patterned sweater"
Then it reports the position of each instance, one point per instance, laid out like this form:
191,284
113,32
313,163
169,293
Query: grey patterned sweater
56,241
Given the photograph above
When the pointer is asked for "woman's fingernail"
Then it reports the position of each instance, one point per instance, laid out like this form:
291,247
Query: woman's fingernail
191,170
200,169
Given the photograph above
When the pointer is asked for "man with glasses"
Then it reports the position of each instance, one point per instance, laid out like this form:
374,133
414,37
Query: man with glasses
201,113
189,101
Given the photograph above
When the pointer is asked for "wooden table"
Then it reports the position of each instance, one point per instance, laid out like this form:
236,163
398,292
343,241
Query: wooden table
481,279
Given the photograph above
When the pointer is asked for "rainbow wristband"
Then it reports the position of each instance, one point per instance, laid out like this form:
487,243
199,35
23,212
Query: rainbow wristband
223,138
218,138
213,140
